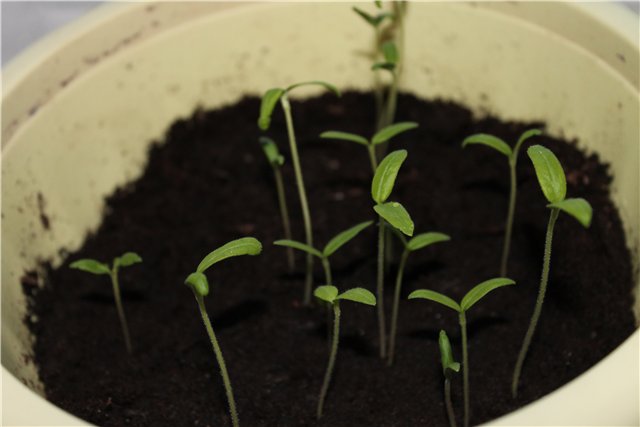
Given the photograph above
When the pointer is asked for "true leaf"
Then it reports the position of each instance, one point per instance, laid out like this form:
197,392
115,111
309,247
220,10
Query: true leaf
385,176
271,151
396,215
479,291
526,135
243,246
390,131
91,266
269,101
325,85
127,259
578,208
326,293
390,52
344,136
549,171
300,246
490,141
425,239
342,238
436,297
199,283
360,295
446,355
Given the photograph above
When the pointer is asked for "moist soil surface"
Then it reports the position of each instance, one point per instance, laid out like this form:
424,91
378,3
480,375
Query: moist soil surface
209,183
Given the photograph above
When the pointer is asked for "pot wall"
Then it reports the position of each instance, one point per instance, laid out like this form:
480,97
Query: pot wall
80,112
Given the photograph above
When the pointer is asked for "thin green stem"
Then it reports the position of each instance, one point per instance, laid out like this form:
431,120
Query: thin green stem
546,263
465,367
332,359
221,363
306,216
396,307
329,281
372,157
123,319
380,290
392,101
377,82
284,213
509,225
447,399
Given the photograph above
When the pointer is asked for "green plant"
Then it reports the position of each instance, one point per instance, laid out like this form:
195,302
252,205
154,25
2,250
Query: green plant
379,137
554,186
268,104
512,155
472,297
97,267
416,243
390,64
276,160
396,216
449,366
199,284
331,295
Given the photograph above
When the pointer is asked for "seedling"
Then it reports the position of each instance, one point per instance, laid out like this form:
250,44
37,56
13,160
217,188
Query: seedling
97,267
330,294
554,186
449,367
199,284
472,297
269,101
276,160
380,137
512,155
396,216
390,64
416,243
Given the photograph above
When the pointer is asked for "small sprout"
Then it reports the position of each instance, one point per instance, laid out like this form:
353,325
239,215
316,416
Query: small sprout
512,155
276,160
554,187
469,300
449,367
382,136
198,283
416,243
390,212
331,295
268,104
372,20
96,267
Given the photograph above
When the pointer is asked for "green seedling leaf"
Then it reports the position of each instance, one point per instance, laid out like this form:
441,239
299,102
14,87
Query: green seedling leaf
326,293
385,176
300,246
436,297
91,266
198,281
344,136
446,355
390,52
338,241
425,239
396,215
490,141
578,208
243,246
271,151
127,259
325,85
549,171
374,21
360,295
378,3
526,135
383,66
269,101
479,291
390,131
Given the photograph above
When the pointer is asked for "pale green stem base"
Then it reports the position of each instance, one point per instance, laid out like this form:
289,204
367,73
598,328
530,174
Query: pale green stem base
304,204
396,308
123,319
372,157
546,263
332,360
380,291
221,363
284,213
465,366
506,246
447,399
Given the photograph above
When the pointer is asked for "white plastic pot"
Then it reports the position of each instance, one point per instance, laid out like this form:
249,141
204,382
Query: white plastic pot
81,108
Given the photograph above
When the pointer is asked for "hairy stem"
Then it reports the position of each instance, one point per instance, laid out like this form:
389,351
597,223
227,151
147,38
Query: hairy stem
396,307
221,363
465,366
284,213
546,262
306,216
380,290
509,225
332,359
447,400
123,319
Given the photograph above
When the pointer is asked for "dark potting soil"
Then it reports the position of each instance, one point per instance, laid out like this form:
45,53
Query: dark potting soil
208,183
